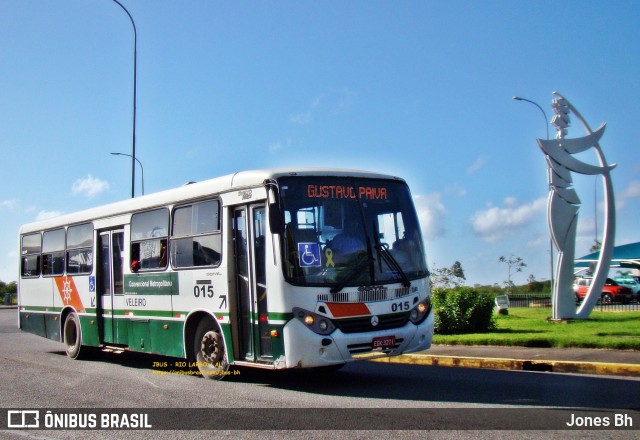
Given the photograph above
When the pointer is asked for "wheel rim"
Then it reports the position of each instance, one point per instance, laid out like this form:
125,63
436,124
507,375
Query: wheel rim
210,353
211,348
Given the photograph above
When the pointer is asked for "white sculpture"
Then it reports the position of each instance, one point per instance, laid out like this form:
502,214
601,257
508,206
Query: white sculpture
563,206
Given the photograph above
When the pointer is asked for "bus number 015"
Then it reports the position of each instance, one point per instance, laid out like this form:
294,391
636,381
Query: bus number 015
403,306
205,291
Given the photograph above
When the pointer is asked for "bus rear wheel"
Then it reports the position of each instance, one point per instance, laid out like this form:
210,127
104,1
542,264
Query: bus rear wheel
72,336
210,354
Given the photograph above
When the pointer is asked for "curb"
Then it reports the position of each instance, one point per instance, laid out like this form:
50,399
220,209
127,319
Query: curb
598,368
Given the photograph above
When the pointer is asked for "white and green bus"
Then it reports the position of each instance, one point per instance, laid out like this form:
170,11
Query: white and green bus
285,268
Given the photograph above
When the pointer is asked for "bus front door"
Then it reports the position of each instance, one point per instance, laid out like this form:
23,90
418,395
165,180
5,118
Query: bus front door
110,285
250,329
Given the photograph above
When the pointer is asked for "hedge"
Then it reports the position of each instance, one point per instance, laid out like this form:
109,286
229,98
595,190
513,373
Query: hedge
462,310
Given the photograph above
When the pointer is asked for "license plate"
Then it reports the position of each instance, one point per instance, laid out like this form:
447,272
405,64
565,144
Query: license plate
383,342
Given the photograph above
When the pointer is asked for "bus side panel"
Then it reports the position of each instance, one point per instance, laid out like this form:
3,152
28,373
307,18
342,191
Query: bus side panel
147,307
33,322
139,335
36,293
205,290
37,317
90,334
52,326
277,343
166,337
41,323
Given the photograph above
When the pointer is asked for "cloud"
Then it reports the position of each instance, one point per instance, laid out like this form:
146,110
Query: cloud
631,192
334,102
44,215
8,204
306,117
345,100
277,146
479,163
89,186
456,190
431,213
493,224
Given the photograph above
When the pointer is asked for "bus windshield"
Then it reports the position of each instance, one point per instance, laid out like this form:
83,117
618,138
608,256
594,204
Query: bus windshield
342,231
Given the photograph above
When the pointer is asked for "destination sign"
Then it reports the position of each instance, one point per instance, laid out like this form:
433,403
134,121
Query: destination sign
346,192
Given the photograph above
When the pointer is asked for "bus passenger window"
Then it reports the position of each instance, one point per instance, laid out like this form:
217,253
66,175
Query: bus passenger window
149,240
80,249
53,252
195,235
30,251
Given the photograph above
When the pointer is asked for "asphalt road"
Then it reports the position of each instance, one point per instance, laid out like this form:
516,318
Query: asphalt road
35,373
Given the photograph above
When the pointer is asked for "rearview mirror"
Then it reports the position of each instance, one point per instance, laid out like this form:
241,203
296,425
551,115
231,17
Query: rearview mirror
276,225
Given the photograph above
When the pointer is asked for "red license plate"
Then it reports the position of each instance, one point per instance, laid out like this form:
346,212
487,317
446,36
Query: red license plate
383,342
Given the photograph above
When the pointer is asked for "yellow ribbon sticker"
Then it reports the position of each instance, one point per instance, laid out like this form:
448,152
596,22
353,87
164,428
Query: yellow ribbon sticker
329,253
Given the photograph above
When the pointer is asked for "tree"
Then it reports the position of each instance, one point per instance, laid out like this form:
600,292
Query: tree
515,264
12,287
457,271
597,245
534,285
447,278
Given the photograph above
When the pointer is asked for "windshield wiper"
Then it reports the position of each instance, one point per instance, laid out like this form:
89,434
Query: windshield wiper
383,250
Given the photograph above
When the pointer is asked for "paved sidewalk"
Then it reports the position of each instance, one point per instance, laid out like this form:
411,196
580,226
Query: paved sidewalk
558,360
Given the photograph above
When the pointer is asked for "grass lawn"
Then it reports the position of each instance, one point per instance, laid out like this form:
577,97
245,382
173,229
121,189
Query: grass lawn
532,328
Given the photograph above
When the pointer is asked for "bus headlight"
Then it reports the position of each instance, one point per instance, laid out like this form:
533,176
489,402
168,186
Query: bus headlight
420,311
316,323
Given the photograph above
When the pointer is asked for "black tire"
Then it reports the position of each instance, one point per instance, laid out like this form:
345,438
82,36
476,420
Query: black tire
606,298
72,336
209,352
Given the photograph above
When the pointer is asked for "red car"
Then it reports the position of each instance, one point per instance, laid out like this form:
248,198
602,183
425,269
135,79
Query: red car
611,292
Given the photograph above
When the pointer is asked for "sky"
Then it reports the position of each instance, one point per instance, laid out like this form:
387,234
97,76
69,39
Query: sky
418,89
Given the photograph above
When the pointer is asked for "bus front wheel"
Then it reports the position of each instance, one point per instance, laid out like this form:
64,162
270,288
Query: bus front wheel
72,336
210,354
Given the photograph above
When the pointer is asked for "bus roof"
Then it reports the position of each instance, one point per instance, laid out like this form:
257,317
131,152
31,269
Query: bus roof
190,191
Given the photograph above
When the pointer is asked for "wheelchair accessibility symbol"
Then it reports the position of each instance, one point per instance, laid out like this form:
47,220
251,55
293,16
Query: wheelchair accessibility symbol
309,254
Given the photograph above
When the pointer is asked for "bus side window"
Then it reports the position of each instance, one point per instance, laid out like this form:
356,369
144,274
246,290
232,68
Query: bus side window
149,240
195,235
80,249
53,252
30,251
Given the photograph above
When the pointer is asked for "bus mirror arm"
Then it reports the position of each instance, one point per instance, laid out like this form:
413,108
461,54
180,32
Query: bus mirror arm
275,219
276,225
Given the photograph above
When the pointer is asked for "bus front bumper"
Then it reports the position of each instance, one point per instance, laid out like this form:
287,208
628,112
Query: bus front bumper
305,349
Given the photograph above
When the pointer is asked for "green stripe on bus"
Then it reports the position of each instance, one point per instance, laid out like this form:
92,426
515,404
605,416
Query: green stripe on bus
273,316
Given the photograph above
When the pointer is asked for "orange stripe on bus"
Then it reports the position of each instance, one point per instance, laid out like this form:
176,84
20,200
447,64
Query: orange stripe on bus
69,293
340,310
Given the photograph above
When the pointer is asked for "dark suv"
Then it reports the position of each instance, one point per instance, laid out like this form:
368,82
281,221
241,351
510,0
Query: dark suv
611,291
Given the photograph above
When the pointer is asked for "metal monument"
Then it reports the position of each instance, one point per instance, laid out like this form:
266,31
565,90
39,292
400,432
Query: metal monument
564,204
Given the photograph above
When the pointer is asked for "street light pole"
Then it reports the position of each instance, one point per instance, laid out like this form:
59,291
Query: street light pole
544,115
546,124
133,147
139,163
